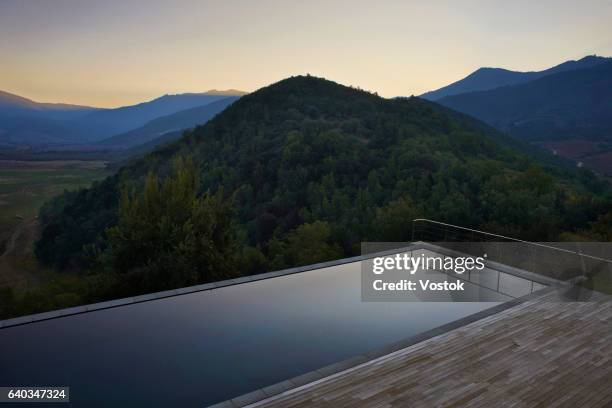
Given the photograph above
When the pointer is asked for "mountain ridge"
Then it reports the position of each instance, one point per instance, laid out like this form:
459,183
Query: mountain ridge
560,105
313,167
125,118
24,122
177,121
487,78
8,100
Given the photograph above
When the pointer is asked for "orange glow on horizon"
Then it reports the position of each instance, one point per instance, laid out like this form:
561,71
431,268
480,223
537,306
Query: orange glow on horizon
117,53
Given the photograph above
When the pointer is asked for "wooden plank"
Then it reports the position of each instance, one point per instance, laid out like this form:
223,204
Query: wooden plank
540,353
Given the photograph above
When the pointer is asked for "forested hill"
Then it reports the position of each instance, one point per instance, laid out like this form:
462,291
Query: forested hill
312,168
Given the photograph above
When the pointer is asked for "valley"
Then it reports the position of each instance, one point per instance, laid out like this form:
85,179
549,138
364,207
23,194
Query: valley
298,172
24,187
306,204
310,168
591,154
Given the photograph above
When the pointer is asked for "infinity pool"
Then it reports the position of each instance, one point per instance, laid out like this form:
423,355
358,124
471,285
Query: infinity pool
201,348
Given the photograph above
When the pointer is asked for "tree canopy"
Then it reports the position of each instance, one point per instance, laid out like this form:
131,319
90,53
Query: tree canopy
311,169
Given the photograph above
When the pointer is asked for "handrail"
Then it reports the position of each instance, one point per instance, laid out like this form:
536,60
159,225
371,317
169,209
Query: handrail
511,239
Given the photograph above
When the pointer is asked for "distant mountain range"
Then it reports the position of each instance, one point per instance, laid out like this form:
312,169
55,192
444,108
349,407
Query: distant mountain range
569,102
119,120
11,103
557,106
312,168
155,128
564,106
490,78
26,123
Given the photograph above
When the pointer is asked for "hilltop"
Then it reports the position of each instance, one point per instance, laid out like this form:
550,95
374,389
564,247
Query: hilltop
311,168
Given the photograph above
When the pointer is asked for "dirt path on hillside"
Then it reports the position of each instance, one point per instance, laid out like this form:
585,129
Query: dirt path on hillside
19,246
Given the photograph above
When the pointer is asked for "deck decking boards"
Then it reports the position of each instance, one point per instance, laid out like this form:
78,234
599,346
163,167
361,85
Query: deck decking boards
541,353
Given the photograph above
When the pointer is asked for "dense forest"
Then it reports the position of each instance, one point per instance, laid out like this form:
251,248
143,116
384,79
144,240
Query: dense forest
303,171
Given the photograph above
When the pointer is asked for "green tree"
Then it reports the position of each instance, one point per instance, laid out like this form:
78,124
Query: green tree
307,244
169,236
393,222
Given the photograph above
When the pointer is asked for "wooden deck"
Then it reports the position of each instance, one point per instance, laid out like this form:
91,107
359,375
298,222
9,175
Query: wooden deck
541,353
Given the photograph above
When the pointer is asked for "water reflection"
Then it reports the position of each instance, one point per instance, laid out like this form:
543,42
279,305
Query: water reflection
205,347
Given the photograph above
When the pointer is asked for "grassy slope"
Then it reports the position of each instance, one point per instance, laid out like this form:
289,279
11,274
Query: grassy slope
24,187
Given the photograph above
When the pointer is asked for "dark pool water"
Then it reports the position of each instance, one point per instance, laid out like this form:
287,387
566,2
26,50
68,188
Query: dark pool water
201,348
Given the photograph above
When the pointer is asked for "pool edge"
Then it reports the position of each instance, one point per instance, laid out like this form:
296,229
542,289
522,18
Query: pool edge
109,304
264,393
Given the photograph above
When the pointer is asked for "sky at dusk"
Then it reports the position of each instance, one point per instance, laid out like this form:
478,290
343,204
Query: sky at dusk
119,52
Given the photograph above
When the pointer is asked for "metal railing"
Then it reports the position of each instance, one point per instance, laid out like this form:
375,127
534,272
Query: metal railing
561,261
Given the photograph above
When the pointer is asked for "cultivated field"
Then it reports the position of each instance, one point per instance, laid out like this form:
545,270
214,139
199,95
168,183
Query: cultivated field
24,187
594,155
600,162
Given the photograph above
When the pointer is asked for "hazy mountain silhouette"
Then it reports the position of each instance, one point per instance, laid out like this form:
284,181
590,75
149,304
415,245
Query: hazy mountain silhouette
9,101
33,130
110,122
24,122
122,157
490,78
15,105
576,103
177,121
307,150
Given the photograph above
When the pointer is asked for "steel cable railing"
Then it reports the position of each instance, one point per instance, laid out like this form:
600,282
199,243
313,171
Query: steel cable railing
561,261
